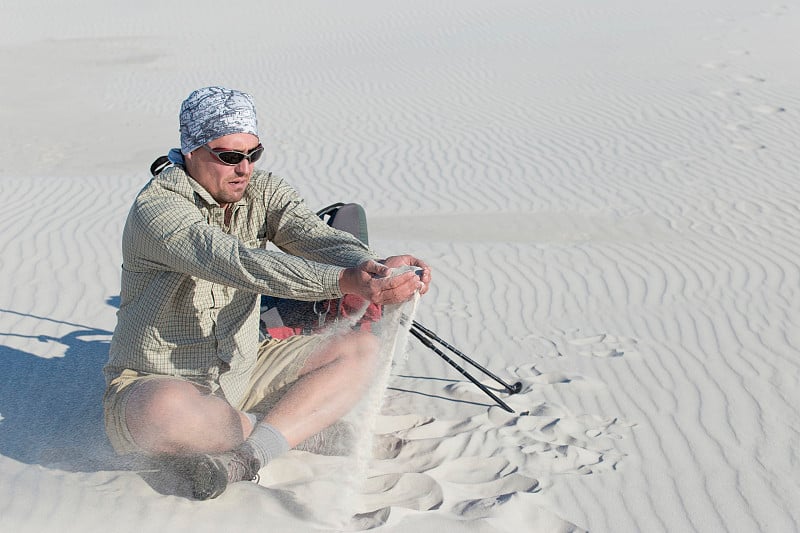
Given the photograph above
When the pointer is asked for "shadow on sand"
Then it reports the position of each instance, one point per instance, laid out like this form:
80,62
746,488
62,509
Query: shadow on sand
51,408
51,411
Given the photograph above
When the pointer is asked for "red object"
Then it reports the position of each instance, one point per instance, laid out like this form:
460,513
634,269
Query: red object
342,308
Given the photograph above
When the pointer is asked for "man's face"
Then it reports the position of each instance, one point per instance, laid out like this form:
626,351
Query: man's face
225,183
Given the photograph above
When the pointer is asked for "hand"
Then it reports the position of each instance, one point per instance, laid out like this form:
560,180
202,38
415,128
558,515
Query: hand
371,280
403,260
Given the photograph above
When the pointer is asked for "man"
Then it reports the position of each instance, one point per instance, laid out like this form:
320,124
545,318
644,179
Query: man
187,377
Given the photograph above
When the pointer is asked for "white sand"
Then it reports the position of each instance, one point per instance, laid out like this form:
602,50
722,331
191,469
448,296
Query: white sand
608,193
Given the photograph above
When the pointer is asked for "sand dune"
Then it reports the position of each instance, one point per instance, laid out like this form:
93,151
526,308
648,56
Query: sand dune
608,196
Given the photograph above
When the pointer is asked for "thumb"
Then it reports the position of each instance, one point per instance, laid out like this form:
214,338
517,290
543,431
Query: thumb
376,269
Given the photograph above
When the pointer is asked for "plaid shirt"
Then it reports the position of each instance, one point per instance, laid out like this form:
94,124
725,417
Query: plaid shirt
191,284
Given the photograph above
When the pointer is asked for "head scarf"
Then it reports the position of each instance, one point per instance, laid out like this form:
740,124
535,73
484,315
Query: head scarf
211,112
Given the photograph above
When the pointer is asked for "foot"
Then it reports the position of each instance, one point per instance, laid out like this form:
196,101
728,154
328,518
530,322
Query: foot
210,474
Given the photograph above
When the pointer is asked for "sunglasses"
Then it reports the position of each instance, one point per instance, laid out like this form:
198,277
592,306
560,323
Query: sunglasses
232,158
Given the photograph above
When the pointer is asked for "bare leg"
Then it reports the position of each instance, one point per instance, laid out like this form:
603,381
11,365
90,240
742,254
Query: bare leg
330,384
175,417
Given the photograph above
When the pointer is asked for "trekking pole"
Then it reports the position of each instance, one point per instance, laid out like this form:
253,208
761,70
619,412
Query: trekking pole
512,389
463,372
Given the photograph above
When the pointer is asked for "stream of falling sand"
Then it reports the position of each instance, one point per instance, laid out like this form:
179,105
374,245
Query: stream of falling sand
393,333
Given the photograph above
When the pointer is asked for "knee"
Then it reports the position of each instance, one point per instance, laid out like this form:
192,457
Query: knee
159,402
153,411
367,342
363,345
363,348
166,416
355,353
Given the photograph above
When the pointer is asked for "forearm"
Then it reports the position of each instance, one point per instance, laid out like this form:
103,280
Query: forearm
208,253
297,230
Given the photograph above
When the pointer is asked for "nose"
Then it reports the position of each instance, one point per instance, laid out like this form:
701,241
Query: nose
243,167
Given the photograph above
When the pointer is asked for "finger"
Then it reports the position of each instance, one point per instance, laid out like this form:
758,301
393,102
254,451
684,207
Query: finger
426,274
395,261
423,287
398,289
375,268
425,277
420,263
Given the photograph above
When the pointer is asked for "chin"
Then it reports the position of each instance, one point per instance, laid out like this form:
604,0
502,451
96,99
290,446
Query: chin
232,199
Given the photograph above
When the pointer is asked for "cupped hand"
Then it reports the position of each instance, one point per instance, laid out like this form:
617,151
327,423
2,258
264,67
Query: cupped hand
373,280
403,260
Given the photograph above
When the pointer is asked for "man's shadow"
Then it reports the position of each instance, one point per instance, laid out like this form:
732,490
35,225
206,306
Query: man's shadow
51,409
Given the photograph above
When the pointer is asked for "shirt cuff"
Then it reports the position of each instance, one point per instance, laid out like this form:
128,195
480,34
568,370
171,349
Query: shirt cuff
330,279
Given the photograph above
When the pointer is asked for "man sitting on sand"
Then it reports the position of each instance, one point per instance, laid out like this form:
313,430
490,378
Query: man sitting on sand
186,373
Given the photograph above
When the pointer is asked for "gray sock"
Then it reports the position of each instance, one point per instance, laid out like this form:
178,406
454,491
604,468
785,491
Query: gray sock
266,443
252,418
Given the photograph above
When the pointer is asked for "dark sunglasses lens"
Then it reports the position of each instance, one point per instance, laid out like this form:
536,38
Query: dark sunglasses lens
230,158
255,155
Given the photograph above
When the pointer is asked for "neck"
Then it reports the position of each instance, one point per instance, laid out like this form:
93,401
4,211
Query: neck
228,213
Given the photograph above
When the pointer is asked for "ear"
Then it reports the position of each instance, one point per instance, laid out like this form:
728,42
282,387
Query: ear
188,162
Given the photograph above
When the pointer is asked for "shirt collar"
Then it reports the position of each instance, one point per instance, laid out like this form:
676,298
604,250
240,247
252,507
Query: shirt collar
201,192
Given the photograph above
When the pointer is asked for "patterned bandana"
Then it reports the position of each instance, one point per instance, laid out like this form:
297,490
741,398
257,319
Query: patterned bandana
211,112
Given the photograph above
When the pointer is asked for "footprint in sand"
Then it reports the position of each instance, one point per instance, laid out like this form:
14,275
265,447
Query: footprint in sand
597,345
461,476
727,93
550,441
521,509
452,310
768,109
600,345
472,479
475,465
454,479
363,503
419,492
750,79
537,345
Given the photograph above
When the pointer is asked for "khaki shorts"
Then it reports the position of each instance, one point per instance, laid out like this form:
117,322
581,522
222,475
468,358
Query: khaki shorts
278,365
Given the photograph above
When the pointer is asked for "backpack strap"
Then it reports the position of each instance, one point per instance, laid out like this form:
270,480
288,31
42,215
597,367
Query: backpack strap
159,164
330,210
